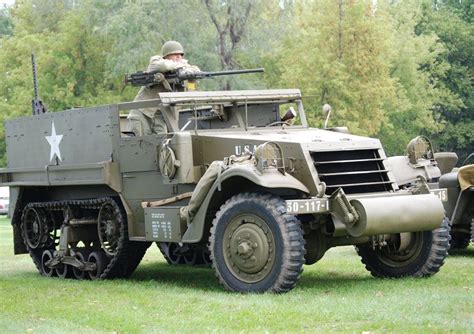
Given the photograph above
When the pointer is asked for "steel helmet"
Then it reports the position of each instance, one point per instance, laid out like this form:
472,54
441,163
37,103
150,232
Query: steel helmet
171,47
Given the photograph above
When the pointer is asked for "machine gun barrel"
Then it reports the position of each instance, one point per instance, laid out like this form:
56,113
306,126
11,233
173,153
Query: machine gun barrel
200,75
177,77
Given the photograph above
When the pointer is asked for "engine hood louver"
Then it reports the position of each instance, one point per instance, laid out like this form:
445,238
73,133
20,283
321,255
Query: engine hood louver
357,171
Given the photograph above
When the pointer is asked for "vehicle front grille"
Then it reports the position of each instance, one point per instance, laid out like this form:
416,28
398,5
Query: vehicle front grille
358,171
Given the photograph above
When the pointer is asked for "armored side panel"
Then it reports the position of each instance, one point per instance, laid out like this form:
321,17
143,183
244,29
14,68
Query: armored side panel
163,224
72,147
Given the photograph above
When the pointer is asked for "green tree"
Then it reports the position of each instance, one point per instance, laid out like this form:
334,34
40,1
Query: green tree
452,22
338,52
70,56
6,27
417,69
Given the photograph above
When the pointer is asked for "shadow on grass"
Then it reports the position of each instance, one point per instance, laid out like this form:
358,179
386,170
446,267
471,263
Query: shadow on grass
203,278
184,276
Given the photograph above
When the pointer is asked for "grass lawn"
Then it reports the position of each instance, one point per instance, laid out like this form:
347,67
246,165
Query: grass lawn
335,295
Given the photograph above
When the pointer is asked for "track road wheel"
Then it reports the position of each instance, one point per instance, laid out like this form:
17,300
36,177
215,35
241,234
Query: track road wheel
255,245
45,257
169,250
205,257
100,260
81,255
64,271
191,257
418,254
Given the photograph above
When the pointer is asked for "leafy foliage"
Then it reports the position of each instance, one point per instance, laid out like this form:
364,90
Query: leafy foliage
338,53
6,27
451,21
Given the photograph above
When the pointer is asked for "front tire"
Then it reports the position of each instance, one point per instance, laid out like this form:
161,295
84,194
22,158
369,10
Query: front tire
255,245
422,256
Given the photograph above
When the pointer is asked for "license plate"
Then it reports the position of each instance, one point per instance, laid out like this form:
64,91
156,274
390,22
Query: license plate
312,205
441,193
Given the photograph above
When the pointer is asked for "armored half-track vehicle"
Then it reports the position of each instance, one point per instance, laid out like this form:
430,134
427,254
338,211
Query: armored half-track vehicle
459,183
232,182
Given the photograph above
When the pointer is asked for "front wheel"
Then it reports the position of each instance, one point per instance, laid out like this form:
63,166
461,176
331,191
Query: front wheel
255,245
418,254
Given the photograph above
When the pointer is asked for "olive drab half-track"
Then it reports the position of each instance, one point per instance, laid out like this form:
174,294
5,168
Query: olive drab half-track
233,184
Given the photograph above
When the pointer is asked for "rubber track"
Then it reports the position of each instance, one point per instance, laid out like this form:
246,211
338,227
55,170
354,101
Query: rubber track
129,253
293,258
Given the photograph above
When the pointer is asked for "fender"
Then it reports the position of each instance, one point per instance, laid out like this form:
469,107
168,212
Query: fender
460,185
270,178
406,172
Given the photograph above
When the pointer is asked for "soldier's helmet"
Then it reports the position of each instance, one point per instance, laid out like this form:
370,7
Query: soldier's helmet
171,47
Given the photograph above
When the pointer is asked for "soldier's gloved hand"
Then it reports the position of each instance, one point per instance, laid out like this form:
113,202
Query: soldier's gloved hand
178,65
186,71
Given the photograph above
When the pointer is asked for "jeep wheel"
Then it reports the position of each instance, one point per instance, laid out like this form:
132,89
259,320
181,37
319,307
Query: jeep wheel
472,230
255,245
417,254
459,241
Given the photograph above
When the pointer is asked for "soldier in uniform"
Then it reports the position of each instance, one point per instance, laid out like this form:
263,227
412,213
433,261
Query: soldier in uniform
148,121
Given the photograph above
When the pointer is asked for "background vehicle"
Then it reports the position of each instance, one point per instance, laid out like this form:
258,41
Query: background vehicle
460,206
4,200
232,181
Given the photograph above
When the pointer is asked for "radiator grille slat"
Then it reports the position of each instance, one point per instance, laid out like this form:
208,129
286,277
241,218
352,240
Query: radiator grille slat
357,171
344,161
353,173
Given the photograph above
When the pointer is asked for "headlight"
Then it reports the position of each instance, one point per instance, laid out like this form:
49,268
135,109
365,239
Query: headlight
269,155
419,148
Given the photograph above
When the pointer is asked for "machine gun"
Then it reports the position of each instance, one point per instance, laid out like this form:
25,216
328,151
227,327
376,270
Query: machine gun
36,104
174,80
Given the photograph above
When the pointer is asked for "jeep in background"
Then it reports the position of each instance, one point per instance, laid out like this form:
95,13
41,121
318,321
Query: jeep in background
459,183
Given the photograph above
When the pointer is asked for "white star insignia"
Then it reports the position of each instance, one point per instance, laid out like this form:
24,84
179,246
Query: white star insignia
54,141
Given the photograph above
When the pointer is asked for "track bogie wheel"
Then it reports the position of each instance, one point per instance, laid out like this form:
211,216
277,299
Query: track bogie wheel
45,257
422,254
169,250
191,257
255,245
63,271
101,261
205,257
82,255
